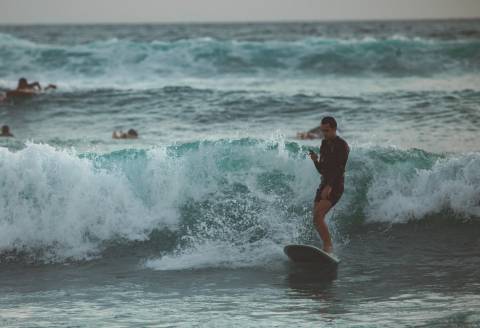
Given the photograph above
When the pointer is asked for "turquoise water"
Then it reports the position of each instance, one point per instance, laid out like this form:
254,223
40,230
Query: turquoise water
185,226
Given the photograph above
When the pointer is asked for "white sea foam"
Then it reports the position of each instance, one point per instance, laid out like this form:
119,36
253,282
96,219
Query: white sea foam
231,201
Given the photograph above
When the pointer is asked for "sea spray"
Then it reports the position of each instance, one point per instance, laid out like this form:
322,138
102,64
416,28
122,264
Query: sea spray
246,194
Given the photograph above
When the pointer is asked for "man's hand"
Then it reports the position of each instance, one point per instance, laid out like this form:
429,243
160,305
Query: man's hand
326,192
37,85
313,156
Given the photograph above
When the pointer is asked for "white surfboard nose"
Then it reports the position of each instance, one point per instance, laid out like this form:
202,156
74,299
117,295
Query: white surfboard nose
309,253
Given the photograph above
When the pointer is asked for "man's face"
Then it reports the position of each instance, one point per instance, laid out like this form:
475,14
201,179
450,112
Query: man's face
327,131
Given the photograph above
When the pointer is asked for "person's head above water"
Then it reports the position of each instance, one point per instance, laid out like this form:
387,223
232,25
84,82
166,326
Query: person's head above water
328,127
132,133
6,131
22,83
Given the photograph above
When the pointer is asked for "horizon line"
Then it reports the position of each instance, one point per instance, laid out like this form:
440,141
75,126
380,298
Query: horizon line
267,21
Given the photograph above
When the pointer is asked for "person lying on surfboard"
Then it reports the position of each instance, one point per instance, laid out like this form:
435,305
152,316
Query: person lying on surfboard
25,89
315,133
331,166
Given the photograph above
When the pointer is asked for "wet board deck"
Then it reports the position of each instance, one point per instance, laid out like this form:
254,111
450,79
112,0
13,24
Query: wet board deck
309,254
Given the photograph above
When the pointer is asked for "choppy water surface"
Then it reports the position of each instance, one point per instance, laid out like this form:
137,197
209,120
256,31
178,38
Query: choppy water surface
185,226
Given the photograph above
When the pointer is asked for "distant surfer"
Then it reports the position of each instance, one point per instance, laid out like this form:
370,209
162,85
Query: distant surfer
6,131
315,133
331,166
130,134
25,89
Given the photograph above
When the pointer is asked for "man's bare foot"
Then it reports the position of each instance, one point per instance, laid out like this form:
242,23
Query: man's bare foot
328,249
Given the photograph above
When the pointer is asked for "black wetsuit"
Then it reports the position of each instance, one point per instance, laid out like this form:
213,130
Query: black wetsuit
331,165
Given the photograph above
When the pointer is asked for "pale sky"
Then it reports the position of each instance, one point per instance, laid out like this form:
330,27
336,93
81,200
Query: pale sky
164,11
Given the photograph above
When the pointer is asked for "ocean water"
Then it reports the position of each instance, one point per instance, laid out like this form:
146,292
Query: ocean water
185,226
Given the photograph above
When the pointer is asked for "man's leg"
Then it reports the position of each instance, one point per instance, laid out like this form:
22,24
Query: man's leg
320,209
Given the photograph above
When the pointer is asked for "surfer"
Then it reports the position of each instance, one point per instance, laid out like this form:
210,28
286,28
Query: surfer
130,134
25,89
6,131
315,133
331,166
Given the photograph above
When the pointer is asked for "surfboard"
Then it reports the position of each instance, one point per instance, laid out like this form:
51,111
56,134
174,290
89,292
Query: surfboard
309,254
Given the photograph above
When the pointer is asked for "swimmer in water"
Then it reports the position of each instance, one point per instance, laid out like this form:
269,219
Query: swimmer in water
6,131
130,134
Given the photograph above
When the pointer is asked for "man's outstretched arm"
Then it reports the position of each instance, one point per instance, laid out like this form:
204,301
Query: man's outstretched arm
35,84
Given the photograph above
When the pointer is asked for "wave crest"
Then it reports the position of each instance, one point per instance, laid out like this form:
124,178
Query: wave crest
242,194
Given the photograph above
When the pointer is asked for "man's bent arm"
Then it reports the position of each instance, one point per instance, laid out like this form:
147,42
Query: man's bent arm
318,166
341,159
